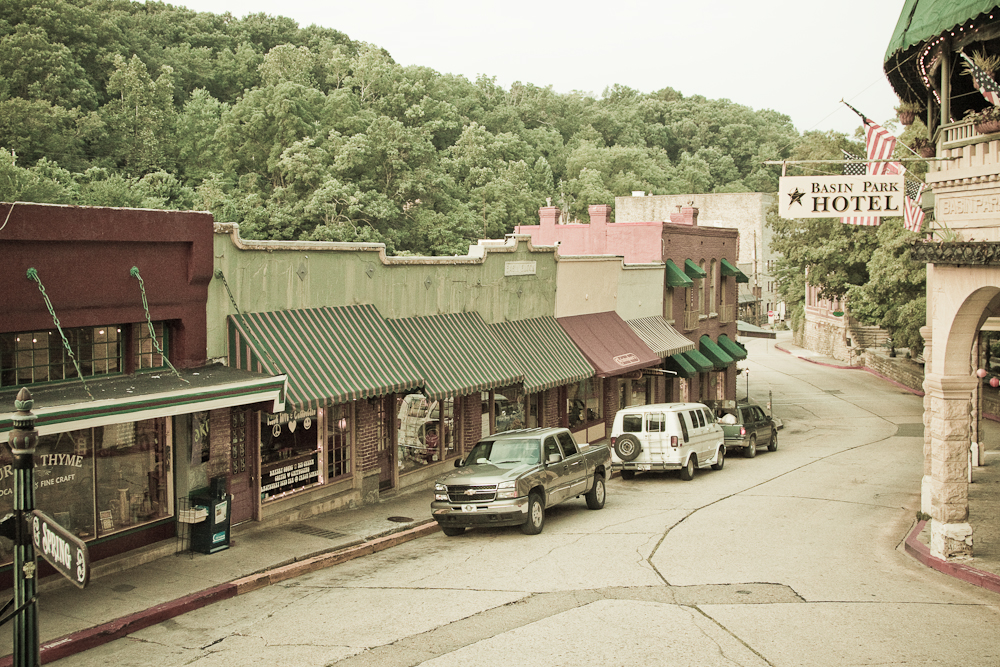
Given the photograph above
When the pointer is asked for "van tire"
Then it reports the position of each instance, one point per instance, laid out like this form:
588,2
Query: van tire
750,450
773,445
628,474
595,497
628,447
687,472
720,459
536,515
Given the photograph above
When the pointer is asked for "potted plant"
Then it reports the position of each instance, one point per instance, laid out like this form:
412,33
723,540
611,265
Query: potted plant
907,112
986,121
923,147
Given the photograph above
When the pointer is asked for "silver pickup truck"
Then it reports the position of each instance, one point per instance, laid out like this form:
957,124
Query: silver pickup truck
508,479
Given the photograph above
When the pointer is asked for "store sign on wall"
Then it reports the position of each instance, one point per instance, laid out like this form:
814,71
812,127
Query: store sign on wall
288,477
519,268
840,196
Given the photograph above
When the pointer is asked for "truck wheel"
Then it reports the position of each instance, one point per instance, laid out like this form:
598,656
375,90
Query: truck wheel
628,474
627,447
536,516
595,497
751,450
720,459
452,531
773,445
687,472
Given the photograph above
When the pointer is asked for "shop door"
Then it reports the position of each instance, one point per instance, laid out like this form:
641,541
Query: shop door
384,441
242,483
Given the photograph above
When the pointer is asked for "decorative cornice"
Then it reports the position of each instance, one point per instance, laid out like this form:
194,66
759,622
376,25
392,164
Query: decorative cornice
983,253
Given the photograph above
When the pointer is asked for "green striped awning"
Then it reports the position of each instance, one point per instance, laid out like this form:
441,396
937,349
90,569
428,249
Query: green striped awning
457,354
694,271
661,338
730,270
733,348
676,277
681,365
331,354
716,354
544,352
700,362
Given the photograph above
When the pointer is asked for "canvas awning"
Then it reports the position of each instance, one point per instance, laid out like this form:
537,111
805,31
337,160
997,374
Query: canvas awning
544,352
719,358
676,277
732,348
730,270
680,364
330,354
661,338
700,362
753,331
457,354
608,343
693,270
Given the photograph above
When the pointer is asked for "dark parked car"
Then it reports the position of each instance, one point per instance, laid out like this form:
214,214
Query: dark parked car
746,426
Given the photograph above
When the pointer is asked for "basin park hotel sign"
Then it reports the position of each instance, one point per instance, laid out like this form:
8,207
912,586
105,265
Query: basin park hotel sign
839,196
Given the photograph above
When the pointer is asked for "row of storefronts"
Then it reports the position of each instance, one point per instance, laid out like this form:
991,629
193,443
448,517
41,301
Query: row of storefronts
183,365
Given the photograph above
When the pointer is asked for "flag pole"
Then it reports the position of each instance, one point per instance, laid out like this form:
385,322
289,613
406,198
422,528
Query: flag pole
863,117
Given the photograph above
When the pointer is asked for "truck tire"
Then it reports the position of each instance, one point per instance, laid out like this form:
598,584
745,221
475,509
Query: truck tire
595,497
452,531
627,447
536,515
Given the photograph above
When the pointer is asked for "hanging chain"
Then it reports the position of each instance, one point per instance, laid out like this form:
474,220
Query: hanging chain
220,274
149,322
33,275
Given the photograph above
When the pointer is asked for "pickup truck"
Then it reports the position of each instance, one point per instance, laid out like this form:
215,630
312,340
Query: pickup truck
509,478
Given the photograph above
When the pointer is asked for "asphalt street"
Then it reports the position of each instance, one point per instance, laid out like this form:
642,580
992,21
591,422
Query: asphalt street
791,558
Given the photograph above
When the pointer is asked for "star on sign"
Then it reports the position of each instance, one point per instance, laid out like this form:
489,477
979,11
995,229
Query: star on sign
796,197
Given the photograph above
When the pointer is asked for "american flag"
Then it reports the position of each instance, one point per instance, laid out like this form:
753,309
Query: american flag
913,215
983,81
879,145
854,166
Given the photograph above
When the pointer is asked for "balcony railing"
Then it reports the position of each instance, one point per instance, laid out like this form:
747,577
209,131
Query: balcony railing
967,148
727,312
691,318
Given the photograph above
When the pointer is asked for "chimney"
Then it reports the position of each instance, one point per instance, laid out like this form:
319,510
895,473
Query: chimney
548,216
599,214
688,215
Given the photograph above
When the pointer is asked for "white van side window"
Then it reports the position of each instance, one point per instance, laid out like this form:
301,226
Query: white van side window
696,419
709,417
683,423
655,423
632,424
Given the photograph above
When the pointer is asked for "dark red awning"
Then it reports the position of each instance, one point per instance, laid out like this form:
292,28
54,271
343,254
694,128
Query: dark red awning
608,343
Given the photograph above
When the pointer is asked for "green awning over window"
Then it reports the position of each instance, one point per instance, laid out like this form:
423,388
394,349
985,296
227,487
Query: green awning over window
701,363
681,365
661,338
676,277
718,356
457,354
331,354
732,347
544,352
730,270
693,270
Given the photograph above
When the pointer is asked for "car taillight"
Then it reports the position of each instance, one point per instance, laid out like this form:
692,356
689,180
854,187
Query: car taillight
673,441
743,430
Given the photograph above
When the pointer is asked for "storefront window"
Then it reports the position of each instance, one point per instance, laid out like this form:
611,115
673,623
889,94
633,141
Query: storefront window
338,441
419,426
131,474
289,452
583,402
508,409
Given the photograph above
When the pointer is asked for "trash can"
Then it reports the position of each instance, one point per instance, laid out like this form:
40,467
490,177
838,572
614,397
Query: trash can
212,534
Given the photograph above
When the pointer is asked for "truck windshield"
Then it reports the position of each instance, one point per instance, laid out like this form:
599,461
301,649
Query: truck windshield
505,451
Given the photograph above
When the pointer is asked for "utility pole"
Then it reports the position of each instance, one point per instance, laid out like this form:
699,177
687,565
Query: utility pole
23,439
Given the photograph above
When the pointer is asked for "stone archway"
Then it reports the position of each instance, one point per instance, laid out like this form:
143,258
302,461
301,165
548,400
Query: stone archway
960,298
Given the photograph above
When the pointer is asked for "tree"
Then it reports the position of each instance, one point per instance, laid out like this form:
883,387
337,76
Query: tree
141,114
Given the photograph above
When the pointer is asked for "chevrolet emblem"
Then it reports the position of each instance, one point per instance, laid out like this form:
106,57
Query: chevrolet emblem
470,492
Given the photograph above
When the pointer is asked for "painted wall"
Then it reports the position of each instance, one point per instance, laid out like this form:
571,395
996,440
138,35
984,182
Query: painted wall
637,242
587,285
640,291
501,280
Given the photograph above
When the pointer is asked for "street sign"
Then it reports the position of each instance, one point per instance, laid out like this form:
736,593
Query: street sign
62,549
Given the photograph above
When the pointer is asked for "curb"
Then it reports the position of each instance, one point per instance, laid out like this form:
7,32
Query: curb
819,363
971,575
82,640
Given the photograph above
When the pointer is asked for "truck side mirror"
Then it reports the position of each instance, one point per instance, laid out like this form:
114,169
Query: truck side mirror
459,462
554,458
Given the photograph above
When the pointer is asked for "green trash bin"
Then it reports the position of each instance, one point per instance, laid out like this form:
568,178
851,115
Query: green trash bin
212,534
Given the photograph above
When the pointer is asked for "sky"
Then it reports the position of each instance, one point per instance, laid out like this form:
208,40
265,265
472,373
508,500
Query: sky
798,57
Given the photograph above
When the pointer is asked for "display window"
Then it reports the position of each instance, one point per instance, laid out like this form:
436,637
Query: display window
96,482
509,405
584,404
289,452
338,442
425,430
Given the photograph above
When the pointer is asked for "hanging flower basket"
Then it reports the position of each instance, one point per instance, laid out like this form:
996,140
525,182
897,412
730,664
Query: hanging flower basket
927,151
907,112
987,126
907,117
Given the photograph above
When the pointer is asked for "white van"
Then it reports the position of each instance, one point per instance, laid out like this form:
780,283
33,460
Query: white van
666,436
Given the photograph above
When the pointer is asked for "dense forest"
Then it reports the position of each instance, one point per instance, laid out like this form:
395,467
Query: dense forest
304,133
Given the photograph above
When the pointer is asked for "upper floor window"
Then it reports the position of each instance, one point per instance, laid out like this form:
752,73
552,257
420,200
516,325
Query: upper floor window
712,278
28,357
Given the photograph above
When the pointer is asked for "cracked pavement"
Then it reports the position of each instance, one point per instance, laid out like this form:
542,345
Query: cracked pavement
791,558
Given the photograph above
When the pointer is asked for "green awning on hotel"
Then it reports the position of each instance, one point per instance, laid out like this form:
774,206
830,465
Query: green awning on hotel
732,348
661,338
681,365
544,352
700,362
693,270
331,354
676,277
711,349
730,270
457,354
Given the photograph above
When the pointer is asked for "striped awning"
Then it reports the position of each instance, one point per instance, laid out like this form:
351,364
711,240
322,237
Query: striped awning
732,347
544,352
610,345
720,359
661,338
457,354
331,354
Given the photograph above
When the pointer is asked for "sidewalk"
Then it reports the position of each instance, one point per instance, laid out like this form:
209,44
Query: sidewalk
147,588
